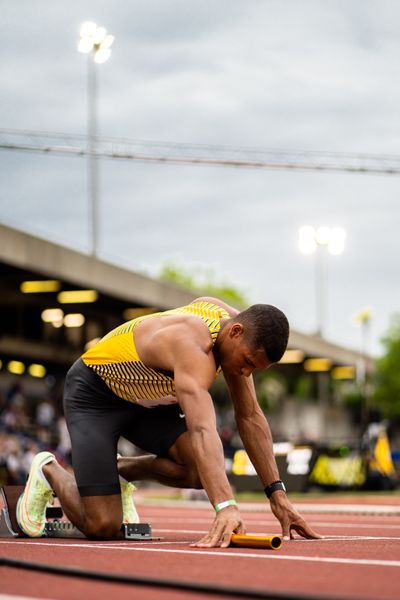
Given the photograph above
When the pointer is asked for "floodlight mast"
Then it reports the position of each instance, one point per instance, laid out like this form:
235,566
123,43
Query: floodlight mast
94,42
363,318
321,240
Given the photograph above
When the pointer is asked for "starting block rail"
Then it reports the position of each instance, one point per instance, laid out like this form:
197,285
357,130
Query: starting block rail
55,528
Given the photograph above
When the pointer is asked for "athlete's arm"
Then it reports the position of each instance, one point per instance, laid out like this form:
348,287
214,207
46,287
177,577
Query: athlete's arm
194,371
253,427
257,439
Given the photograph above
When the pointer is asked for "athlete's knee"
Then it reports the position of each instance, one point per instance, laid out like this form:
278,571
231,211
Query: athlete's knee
102,528
102,516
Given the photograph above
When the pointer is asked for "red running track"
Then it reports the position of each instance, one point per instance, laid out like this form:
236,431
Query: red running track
358,558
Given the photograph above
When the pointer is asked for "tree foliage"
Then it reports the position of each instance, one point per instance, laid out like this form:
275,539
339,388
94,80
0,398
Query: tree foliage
387,387
203,280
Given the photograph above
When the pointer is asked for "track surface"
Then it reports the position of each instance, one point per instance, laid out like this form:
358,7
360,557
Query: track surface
358,558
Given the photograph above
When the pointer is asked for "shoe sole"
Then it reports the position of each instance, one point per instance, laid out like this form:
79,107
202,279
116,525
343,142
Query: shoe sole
22,516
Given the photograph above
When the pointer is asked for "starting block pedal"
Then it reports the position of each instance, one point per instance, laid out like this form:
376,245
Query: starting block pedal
137,531
55,528
8,522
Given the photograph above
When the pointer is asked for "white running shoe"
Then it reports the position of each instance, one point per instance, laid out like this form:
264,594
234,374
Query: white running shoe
32,504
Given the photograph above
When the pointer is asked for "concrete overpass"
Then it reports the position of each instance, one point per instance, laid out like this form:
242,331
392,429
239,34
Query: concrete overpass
25,337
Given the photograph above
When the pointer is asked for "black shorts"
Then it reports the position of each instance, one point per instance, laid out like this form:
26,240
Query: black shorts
97,418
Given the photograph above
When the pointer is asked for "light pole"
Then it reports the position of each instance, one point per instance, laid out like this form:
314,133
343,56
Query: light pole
321,240
363,318
95,42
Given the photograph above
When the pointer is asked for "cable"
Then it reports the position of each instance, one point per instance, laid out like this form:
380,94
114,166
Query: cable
202,588
197,154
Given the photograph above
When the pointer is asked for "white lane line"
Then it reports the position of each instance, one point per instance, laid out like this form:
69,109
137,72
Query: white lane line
355,525
351,538
8,597
326,538
218,553
165,543
264,521
191,531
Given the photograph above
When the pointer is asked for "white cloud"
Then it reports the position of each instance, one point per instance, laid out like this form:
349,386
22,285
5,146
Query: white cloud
286,74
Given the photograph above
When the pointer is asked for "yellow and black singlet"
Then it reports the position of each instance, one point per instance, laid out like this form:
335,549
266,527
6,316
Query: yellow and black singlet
115,359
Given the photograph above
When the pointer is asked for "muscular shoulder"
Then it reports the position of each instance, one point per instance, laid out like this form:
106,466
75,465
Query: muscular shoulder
229,309
159,342
192,330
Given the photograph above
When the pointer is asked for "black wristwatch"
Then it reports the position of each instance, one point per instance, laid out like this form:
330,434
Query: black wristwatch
274,487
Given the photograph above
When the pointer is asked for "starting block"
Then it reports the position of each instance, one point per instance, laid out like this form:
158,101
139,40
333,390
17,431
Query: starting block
55,528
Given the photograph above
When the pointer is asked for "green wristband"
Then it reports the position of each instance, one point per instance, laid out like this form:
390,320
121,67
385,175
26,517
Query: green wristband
222,505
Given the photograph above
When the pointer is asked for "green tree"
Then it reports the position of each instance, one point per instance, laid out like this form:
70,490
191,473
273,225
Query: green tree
387,385
203,280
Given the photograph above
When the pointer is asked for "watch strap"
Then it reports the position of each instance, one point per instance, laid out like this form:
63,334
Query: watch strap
274,487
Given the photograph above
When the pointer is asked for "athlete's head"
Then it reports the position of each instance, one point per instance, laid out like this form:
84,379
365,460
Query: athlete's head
253,339
266,328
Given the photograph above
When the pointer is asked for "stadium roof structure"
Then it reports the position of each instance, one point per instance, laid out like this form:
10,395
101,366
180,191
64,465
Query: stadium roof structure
118,293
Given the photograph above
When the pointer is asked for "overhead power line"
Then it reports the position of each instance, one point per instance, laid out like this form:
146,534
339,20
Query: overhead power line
197,154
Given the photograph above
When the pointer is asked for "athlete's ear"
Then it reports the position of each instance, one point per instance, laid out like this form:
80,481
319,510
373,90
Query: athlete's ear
236,330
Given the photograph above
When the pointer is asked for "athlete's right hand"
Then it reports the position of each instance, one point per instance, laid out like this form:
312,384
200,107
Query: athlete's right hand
226,522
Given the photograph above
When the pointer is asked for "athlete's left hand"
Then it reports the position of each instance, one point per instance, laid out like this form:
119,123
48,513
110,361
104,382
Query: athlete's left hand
226,522
289,518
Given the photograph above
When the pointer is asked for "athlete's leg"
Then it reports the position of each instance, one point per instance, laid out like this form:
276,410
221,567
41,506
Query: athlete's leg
101,516
178,470
91,498
163,433
98,517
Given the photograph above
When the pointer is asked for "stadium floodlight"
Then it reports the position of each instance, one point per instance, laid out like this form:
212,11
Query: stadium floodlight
332,237
320,240
363,319
87,29
95,39
95,42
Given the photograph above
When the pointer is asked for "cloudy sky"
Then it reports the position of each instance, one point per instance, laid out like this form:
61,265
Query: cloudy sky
276,74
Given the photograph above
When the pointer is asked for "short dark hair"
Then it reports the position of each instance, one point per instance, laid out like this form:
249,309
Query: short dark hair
267,327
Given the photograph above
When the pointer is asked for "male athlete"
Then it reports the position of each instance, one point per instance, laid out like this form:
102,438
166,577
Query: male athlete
148,380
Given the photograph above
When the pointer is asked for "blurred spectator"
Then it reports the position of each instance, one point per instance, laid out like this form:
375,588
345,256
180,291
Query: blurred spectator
45,413
14,396
30,450
28,426
381,474
64,444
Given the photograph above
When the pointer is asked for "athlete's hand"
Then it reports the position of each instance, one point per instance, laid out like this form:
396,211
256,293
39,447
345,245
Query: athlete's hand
289,518
226,522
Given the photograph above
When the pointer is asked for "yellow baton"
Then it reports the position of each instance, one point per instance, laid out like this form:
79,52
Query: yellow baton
273,542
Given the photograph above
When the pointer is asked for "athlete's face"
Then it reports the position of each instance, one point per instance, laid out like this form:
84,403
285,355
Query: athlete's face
238,356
